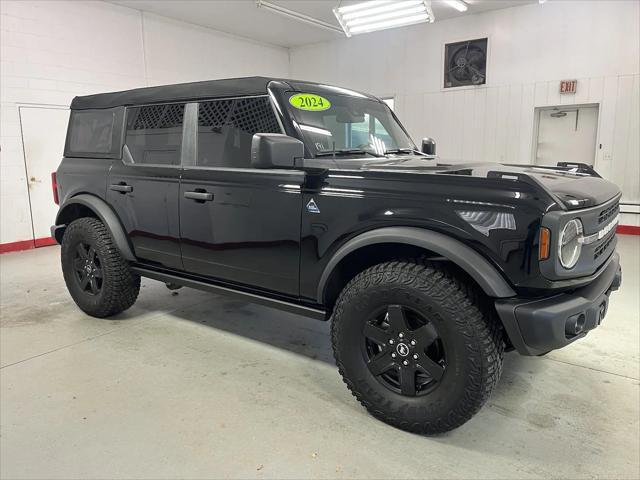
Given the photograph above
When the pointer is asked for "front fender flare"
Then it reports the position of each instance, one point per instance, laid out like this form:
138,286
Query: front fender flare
484,273
106,215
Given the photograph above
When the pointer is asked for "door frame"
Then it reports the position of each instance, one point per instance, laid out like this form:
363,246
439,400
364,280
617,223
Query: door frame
37,242
536,126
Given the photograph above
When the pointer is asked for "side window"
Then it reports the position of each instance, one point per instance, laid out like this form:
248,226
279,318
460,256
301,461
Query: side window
226,128
154,134
91,132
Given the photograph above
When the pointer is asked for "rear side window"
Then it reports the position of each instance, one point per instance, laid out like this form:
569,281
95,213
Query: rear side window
94,133
226,128
154,134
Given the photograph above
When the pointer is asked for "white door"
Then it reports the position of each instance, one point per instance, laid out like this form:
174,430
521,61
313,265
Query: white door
43,135
567,134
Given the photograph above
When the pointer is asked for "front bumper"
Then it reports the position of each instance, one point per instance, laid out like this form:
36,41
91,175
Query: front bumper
537,326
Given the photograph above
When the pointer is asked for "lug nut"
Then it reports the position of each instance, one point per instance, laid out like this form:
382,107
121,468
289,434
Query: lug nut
415,356
393,355
401,335
405,363
391,341
413,343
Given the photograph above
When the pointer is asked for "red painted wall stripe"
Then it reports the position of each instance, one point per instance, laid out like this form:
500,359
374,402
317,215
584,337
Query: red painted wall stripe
17,246
628,230
26,244
46,241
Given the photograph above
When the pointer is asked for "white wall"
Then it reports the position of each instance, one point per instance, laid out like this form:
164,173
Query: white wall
53,51
531,48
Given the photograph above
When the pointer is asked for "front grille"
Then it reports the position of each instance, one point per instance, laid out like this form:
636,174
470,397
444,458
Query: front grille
595,251
608,213
600,249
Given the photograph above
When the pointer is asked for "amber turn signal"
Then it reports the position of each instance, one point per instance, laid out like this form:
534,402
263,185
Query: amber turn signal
545,243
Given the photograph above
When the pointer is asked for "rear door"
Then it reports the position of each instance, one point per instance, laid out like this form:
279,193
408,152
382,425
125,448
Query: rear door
143,188
238,224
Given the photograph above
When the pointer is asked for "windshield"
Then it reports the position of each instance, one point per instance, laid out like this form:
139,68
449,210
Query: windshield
346,125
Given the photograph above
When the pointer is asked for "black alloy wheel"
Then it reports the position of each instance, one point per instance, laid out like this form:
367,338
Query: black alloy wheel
404,351
418,346
98,278
87,269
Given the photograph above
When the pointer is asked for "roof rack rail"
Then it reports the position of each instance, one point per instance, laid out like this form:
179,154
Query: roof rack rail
579,168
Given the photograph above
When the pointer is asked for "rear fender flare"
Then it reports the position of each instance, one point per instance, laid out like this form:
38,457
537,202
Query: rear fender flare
106,215
480,269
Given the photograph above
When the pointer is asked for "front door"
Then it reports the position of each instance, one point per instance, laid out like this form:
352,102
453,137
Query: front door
143,188
567,134
238,224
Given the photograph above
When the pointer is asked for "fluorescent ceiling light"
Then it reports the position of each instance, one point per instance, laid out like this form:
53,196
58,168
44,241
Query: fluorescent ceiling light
381,8
381,14
296,15
386,16
457,4
398,22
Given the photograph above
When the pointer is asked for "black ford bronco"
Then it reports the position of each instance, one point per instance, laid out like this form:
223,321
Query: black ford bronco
313,199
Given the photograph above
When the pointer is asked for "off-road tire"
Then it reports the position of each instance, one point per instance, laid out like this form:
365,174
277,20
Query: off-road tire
119,286
468,327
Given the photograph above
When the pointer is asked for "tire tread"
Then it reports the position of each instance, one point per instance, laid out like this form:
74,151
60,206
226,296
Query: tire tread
483,332
122,287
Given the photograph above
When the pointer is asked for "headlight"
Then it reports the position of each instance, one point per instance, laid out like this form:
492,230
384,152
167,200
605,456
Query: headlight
570,244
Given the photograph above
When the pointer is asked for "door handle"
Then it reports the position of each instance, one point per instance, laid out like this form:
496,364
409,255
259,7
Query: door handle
121,187
199,196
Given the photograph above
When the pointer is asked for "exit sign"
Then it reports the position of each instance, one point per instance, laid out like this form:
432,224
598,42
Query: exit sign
568,86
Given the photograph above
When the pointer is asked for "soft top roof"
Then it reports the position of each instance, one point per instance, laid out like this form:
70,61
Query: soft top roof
228,87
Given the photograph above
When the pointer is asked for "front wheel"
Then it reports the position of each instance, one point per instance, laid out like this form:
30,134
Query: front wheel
415,347
97,277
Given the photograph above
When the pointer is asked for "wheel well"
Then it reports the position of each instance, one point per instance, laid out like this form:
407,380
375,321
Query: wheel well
365,257
70,213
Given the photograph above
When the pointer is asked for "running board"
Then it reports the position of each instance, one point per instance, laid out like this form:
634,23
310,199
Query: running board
283,305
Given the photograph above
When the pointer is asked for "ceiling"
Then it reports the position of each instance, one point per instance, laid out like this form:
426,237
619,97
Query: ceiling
244,18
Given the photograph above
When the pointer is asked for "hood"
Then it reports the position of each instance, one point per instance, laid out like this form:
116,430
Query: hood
573,190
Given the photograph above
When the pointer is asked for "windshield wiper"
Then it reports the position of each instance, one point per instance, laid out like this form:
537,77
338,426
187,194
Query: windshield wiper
348,151
406,150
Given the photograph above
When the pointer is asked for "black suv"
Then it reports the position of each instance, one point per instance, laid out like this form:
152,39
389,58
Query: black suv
313,199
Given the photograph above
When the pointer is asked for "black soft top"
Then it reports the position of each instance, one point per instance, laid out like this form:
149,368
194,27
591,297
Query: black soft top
228,87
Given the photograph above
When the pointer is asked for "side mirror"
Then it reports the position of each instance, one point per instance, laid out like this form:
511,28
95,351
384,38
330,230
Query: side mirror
274,150
429,146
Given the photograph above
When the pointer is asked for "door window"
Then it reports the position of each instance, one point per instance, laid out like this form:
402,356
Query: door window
226,128
154,134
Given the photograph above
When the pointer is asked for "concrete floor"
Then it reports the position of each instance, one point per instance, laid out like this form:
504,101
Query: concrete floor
193,385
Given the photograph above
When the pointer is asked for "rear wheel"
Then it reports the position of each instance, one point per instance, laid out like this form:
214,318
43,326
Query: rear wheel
97,277
415,346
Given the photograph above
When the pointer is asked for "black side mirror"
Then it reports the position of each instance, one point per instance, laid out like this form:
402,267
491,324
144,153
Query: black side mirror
429,146
274,150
